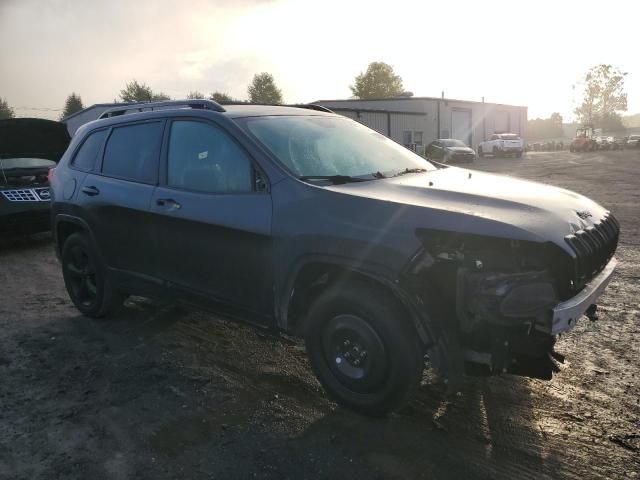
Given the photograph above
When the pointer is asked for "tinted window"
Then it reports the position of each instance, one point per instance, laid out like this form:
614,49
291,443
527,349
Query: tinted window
202,157
85,158
132,152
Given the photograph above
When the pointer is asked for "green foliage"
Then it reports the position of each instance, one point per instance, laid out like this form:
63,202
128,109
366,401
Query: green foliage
5,110
379,81
220,97
141,92
195,95
545,128
72,105
631,121
604,97
263,89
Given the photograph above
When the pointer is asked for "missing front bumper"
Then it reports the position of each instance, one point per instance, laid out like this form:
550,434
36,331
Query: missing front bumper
566,314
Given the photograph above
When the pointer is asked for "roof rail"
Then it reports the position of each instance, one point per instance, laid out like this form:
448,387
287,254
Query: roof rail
313,106
150,106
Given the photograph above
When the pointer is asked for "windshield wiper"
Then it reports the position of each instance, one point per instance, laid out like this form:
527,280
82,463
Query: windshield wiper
409,170
335,179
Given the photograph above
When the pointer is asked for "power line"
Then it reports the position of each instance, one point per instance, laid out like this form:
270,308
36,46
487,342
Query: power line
39,109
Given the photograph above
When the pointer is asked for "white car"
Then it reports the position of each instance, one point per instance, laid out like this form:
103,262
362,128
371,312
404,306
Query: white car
502,144
633,141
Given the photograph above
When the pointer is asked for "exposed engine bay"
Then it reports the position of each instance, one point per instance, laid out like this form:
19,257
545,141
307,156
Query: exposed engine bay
502,297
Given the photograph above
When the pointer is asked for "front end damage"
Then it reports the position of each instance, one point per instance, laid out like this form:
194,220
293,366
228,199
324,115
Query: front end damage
501,302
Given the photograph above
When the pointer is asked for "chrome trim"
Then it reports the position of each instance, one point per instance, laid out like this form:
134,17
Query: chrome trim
38,194
566,314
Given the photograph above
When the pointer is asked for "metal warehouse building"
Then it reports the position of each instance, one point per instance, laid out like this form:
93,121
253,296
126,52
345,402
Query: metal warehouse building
420,120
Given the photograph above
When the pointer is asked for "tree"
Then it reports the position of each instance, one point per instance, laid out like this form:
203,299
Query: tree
195,95
379,81
545,128
72,105
141,92
220,97
263,89
604,97
5,110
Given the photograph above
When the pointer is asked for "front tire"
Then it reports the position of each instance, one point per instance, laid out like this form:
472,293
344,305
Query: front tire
85,278
363,349
480,152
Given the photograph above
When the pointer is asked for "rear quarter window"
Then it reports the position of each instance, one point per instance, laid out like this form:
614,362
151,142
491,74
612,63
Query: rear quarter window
132,152
85,158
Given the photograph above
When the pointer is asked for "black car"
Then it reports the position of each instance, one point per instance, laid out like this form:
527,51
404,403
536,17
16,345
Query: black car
450,150
303,221
29,148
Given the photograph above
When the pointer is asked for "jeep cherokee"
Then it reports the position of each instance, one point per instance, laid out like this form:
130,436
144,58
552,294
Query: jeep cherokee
303,221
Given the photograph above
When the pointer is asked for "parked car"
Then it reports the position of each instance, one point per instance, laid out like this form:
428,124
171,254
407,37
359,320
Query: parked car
29,147
617,143
450,150
303,221
603,142
633,141
502,144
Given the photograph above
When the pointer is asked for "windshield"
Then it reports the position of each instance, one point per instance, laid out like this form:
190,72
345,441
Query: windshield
314,146
452,143
510,136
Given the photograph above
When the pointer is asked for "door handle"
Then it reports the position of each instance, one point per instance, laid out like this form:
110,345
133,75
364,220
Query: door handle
169,202
90,190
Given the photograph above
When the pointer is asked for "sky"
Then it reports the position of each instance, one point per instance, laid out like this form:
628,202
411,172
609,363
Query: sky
527,52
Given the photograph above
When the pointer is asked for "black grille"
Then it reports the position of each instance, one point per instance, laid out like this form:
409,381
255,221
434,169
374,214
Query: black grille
594,246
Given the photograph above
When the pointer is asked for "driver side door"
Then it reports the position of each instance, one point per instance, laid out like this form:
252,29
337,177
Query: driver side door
212,212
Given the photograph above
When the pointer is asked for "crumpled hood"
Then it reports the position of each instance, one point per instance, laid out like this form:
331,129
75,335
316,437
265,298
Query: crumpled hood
466,201
33,138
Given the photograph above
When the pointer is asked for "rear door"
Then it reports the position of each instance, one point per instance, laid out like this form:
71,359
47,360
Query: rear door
435,149
212,213
115,197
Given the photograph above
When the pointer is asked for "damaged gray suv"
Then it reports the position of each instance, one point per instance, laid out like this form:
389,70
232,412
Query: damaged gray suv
303,221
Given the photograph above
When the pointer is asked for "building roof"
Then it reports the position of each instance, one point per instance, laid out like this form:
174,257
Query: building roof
320,102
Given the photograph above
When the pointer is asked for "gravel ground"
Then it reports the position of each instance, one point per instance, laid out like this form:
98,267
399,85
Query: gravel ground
160,392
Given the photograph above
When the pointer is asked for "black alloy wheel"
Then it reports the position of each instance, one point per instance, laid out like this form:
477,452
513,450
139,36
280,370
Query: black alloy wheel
85,278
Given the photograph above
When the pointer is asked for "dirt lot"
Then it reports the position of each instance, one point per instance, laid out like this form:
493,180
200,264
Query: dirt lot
158,392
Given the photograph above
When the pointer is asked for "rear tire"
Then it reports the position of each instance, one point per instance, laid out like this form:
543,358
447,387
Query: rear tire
496,152
363,349
85,278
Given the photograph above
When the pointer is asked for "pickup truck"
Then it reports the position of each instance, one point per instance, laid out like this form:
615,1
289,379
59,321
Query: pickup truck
502,144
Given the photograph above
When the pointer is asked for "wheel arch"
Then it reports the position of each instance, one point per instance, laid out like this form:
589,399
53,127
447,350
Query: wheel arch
311,277
65,226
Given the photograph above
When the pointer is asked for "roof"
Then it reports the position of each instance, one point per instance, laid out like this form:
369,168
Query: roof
230,111
320,102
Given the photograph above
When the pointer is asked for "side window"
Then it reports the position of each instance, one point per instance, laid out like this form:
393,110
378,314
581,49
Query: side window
494,137
85,158
417,138
132,152
204,158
